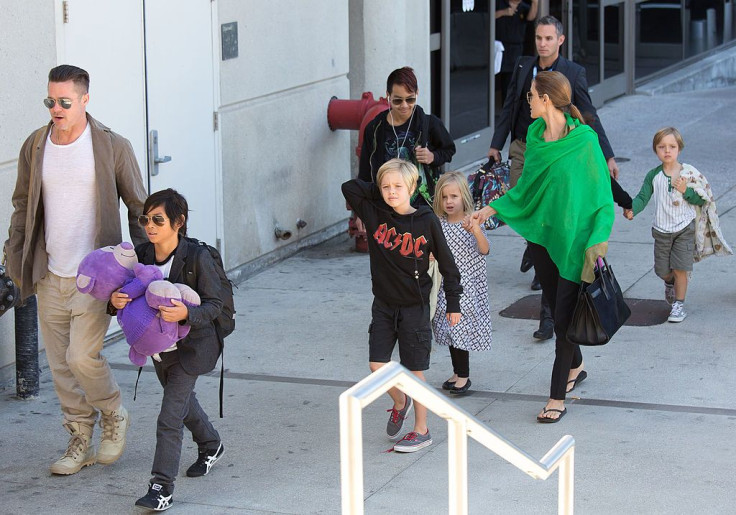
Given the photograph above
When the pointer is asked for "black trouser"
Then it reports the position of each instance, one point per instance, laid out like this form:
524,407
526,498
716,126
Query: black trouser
179,409
562,295
545,312
460,362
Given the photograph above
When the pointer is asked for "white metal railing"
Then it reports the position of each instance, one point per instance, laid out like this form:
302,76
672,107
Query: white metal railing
460,425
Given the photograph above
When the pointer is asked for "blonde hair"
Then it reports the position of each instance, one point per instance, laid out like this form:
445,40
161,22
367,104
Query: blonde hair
667,131
462,183
408,172
556,86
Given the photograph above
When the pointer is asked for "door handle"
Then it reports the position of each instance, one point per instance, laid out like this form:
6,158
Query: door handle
153,158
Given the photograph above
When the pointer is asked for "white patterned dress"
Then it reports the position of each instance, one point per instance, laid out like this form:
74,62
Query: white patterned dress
473,333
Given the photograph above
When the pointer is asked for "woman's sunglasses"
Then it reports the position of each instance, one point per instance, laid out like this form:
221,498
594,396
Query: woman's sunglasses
397,101
65,103
159,220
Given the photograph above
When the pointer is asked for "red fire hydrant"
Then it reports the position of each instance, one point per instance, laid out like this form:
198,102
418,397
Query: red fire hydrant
355,115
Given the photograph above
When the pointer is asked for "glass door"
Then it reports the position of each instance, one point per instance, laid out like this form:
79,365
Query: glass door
467,82
596,35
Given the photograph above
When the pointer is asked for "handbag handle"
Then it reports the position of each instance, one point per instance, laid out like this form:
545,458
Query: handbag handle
600,265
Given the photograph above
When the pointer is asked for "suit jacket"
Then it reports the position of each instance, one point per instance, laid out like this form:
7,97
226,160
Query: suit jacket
193,266
117,176
580,98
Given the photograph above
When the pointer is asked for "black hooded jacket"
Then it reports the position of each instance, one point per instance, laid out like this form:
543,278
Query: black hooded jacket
399,247
430,133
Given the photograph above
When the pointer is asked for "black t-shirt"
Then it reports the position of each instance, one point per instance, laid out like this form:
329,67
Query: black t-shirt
525,116
511,29
399,142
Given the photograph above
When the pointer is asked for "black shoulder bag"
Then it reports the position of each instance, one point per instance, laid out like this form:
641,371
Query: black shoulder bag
600,310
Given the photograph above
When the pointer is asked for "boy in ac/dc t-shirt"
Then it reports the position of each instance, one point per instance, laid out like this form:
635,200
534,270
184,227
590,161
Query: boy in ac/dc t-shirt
400,240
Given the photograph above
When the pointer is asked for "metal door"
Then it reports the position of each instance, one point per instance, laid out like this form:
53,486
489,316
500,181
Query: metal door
180,107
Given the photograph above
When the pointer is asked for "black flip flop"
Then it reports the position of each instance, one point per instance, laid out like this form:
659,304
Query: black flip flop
579,379
547,420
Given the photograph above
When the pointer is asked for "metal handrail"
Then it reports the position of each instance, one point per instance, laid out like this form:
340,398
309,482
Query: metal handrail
461,424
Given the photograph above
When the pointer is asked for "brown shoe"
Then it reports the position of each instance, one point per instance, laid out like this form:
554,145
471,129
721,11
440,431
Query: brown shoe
114,426
79,452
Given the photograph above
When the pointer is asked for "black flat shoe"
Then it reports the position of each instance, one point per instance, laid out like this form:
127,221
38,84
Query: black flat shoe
448,385
462,390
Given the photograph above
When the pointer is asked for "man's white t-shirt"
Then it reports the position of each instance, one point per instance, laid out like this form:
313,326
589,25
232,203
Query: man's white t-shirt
70,202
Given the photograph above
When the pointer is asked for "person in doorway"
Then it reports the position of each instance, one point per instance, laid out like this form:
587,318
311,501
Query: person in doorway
181,261
406,132
453,204
515,121
564,170
401,240
71,175
512,18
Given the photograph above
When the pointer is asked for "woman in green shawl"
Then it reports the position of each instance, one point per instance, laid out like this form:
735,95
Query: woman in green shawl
563,206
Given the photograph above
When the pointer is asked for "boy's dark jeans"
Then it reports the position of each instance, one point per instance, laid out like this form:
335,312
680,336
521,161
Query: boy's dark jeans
179,408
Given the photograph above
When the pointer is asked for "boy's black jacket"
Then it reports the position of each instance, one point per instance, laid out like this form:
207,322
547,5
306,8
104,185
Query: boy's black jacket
399,245
193,266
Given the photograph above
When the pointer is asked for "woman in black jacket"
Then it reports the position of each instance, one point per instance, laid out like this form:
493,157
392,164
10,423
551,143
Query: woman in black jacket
407,132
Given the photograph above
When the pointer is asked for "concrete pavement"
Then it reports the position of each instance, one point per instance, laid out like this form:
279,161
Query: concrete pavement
654,422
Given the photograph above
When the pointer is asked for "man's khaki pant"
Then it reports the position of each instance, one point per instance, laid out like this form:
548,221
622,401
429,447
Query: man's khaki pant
516,153
73,326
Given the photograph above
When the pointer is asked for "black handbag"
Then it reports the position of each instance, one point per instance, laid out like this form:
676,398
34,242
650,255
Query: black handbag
600,310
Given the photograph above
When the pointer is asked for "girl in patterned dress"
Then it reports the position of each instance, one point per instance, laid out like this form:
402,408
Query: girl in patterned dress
453,204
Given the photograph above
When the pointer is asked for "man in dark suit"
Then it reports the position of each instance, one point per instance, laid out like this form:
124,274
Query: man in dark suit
516,118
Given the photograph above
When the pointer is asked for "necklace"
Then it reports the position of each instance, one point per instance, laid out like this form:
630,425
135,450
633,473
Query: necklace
406,134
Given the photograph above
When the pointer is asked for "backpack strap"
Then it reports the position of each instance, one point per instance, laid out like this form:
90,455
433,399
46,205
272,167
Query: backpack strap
222,379
135,390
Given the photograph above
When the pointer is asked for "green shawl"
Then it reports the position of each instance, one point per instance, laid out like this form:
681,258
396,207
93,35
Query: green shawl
563,199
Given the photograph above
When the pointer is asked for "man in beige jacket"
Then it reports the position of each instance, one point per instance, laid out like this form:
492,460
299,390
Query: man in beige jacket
71,175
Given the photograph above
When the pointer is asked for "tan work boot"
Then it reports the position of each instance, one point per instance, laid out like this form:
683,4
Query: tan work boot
79,453
114,426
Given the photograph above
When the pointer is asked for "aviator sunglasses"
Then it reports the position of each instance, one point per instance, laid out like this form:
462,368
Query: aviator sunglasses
65,103
159,220
397,101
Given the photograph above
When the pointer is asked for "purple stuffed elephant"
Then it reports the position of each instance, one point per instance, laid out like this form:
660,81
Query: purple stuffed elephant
104,270
108,269
145,331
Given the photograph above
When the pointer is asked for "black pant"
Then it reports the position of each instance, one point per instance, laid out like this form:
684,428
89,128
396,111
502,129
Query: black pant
179,409
562,295
460,362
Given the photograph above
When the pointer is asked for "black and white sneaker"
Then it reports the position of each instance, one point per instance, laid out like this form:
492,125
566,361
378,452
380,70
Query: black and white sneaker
158,498
204,462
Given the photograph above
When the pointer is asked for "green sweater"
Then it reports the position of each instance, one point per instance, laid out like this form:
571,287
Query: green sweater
647,189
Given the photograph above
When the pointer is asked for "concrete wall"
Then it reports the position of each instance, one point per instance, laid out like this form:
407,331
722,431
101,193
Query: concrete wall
27,51
280,160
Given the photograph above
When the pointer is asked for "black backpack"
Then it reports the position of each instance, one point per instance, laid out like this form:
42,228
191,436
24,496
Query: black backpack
225,321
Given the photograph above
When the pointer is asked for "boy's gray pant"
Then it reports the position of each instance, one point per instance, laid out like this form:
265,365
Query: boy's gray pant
179,408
